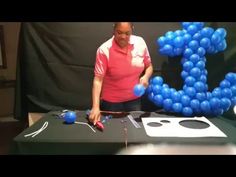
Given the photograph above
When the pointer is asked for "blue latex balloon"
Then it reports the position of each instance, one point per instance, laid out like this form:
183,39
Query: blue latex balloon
225,103
158,100
157,80
177,107
70,117
139,90
188,66
231,77
167,104
179,41
222,32
187,111
188,52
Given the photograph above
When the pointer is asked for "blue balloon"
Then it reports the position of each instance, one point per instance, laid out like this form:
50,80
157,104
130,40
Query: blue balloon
139,90
186,24
167,49
157,89
177,51
157,80
151,96
225,104
188,52
189,81
177,107
187,111
197,36
201,96
188,66
179,33
165,86
149,89
209,95
205,43
200,65
192,29
179,41
195,104
216,92
194,58
190,91
205,106
70,117
195,72
203,78
215,38
187,38
185,100
193,45
161,41
224,84
222,32
215,103
166,92
184,74
199,25
199,86
221,46
207,32
226,92
158,100
175,96
167,104
201,51
233,89
231,77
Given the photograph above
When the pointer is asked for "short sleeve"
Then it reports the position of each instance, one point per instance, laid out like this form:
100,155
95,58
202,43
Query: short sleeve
100,64
147,59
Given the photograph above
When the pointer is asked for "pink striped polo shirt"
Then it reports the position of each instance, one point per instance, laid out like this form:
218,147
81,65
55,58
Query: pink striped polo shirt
121,69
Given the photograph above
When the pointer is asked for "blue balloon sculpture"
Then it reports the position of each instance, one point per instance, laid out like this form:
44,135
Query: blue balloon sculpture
193,42
70,117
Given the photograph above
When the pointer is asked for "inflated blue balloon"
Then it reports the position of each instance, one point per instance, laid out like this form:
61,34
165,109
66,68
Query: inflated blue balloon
139,90
70,117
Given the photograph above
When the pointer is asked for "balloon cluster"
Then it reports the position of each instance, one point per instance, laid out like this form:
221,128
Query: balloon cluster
193,42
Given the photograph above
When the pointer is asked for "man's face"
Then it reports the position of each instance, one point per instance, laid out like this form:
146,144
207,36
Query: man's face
122,34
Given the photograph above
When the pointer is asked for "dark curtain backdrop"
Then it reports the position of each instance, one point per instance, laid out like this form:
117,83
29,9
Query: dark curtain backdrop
56,60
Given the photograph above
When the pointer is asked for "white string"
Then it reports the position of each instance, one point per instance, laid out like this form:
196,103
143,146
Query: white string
38,131
83,123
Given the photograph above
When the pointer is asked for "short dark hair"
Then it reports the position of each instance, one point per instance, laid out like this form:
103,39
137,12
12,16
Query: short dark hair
118,23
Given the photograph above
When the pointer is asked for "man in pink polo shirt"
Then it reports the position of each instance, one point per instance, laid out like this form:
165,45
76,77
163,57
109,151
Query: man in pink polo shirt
121,62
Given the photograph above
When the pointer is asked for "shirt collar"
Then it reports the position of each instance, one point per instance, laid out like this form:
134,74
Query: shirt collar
131,41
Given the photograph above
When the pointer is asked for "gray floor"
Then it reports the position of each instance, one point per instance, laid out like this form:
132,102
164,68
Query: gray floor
9,128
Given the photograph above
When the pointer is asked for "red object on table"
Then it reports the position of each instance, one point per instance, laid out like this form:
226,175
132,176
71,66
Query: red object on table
99,125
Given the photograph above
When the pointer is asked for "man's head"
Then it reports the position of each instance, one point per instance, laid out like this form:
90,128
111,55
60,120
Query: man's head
122,32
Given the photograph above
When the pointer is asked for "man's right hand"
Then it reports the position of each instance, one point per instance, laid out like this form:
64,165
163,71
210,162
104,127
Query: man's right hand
94,116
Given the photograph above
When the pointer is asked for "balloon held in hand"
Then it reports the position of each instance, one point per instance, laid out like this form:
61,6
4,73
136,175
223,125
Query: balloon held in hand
139,90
